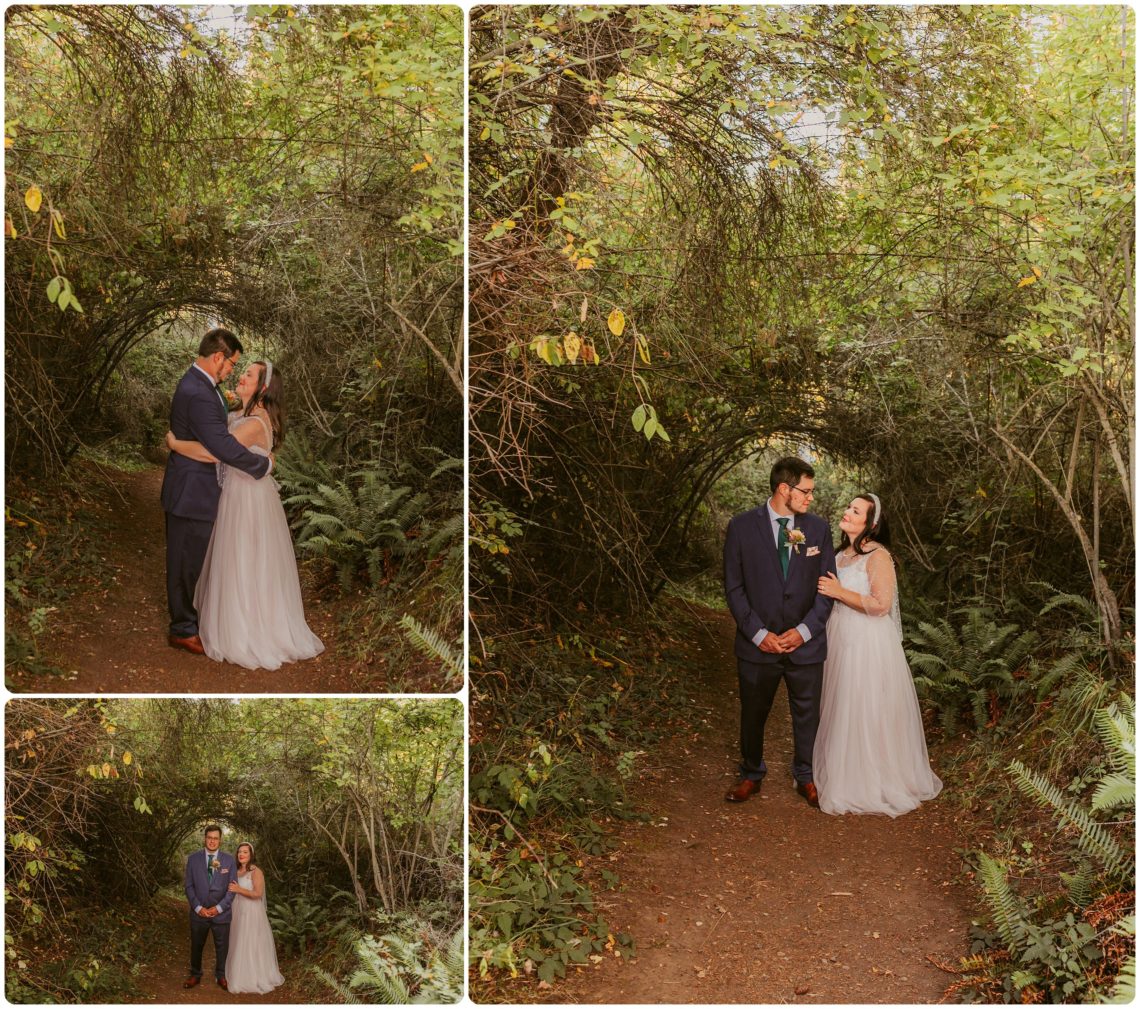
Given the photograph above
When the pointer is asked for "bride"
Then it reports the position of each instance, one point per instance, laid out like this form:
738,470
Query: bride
248,596
251,965
870,752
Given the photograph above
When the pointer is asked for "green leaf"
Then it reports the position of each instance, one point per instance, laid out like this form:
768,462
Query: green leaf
638,418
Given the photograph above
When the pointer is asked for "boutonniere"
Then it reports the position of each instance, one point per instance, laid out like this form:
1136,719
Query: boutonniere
232,398
796,539
215,864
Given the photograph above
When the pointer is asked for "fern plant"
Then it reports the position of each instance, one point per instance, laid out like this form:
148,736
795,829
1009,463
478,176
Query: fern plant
973,666
431,643
393,971
1065,958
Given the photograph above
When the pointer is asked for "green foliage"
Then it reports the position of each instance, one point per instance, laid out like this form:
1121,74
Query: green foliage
395,971
978,665
366,522
298,923
431,643
1038,951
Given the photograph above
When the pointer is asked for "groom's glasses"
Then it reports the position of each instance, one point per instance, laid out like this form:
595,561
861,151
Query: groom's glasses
806,493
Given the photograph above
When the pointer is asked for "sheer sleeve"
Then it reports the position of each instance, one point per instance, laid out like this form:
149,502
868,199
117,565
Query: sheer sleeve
879,601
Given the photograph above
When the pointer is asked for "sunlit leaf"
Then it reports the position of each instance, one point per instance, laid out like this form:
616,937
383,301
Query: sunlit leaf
616,322
33,199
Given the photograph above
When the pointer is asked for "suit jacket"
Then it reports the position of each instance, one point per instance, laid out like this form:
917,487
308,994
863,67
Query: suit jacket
190,488
201,891
759,595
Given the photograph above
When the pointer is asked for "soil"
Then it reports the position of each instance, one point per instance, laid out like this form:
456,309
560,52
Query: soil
110,637
162,976
769,900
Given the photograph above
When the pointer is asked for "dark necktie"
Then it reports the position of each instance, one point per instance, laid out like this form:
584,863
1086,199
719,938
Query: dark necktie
209,867
782,545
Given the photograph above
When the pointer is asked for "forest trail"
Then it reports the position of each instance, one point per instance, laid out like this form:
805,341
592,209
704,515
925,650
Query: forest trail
770,901
162,975
111,638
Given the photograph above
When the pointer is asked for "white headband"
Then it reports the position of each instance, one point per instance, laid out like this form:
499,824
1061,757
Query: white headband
878,510
268,372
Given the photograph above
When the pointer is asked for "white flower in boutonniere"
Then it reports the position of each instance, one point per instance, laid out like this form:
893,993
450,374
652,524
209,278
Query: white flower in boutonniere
215,864
796,538
232,398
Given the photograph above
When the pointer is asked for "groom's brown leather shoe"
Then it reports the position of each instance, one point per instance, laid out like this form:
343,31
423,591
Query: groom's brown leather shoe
223,983
807,790
191,981
192,644
744,788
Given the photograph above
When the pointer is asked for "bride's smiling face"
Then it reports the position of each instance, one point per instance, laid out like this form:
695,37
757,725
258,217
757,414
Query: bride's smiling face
242,855
854,520
247,384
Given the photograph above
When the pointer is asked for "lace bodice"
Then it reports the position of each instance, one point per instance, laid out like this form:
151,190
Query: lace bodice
263,447
246,881
872,576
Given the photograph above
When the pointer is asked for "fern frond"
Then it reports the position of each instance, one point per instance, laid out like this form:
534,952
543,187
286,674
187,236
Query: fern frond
1008,914
430,642
1093,838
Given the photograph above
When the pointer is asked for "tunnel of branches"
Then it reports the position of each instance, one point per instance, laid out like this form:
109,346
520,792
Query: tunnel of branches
168,175
764,305
314,787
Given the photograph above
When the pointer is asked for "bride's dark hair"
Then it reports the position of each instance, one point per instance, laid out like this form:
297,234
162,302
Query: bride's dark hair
271,399
877,530
244,844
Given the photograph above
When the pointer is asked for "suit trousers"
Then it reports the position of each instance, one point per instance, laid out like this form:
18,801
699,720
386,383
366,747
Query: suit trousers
758,684
199,927
186,543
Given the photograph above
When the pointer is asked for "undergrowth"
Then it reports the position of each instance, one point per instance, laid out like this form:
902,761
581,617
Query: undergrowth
559,722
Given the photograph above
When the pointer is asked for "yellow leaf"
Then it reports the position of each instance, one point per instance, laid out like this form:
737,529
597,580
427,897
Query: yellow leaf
428,158
485,133
509,225
774,163
106,770
584,263
127,758
33,198
376,363
9,228
1026,281
1036,271
57,223
8,142
571,344
582,309
643,349
419,167
616,322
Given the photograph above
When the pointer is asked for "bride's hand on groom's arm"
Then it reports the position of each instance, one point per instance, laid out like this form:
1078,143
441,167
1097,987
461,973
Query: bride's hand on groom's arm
829,586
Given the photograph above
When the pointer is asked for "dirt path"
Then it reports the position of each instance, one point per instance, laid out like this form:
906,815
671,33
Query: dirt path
111,638
770,901
163,973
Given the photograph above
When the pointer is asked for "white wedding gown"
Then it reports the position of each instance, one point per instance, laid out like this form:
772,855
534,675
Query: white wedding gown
248,597
251,964
870,751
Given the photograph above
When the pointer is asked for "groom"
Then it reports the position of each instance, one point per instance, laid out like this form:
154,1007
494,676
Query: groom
208,876
774,556
190,490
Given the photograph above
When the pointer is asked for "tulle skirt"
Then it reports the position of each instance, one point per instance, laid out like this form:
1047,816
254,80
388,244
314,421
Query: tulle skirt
249,596
870,751
251,964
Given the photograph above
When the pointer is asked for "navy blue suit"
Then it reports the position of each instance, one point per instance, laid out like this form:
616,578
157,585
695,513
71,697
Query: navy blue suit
760,596
202,891
190,490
